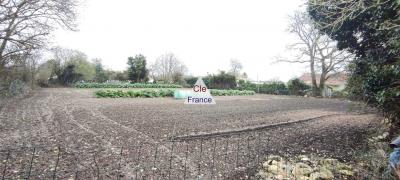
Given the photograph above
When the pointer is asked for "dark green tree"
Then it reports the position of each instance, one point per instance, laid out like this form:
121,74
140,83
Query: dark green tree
222,80
100,75
297,87
369,29
121,76
137,71
190,81
69,75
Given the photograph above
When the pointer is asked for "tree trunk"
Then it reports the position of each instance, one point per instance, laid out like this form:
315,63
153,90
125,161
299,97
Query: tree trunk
322,78
2,68
322,82
315,90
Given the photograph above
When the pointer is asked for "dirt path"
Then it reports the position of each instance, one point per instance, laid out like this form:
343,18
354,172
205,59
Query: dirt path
132,136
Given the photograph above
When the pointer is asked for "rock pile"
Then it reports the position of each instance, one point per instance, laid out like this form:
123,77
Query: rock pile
304,168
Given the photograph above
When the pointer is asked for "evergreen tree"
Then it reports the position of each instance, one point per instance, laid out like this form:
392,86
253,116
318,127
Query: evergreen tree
100,75
137,71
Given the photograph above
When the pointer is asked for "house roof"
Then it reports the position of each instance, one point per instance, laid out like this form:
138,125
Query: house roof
337,79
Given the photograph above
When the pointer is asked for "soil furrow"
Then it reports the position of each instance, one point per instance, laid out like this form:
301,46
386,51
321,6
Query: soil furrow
129,137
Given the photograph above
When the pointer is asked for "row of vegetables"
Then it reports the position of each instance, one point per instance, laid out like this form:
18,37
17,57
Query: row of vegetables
150,93
125,85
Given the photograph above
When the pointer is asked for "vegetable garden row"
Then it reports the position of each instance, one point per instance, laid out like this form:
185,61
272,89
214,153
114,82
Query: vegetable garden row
150,93
125,85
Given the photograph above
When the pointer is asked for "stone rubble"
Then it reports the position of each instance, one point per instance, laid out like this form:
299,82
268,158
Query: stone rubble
303,168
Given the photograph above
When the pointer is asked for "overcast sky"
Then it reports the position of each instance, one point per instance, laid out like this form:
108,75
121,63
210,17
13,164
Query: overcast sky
204,34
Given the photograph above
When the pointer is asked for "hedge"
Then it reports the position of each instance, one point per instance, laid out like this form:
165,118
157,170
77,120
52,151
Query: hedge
216,92
150,93
273,87
125,85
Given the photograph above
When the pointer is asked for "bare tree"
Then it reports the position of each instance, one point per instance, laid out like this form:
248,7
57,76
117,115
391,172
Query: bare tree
236,67
168,68
25,24
316,49
336,13
60,56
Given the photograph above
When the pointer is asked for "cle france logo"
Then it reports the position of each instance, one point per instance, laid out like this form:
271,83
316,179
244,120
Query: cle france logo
200,94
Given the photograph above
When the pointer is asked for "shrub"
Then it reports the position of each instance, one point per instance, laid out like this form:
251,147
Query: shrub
246,85
190,81
297,87
125,85
274,87
222,81
339,94
18,87
378,85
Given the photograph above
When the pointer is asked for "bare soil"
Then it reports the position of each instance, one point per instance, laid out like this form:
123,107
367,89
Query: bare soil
68,133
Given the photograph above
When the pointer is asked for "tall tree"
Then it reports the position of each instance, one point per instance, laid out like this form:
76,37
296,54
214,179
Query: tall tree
236,67
137,71
168,68
69,75
100,75
25,24
316,49
62,57
369,29
64,64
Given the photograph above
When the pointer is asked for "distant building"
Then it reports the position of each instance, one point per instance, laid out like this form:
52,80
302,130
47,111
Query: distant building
336,82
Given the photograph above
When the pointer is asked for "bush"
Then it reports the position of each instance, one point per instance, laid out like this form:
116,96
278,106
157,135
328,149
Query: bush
43,83
339,94
222,81
297,87
125,85
378,85
246,85
273,87
190,81
17,88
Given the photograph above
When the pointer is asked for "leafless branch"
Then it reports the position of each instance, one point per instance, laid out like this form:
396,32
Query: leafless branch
25,24
314,48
